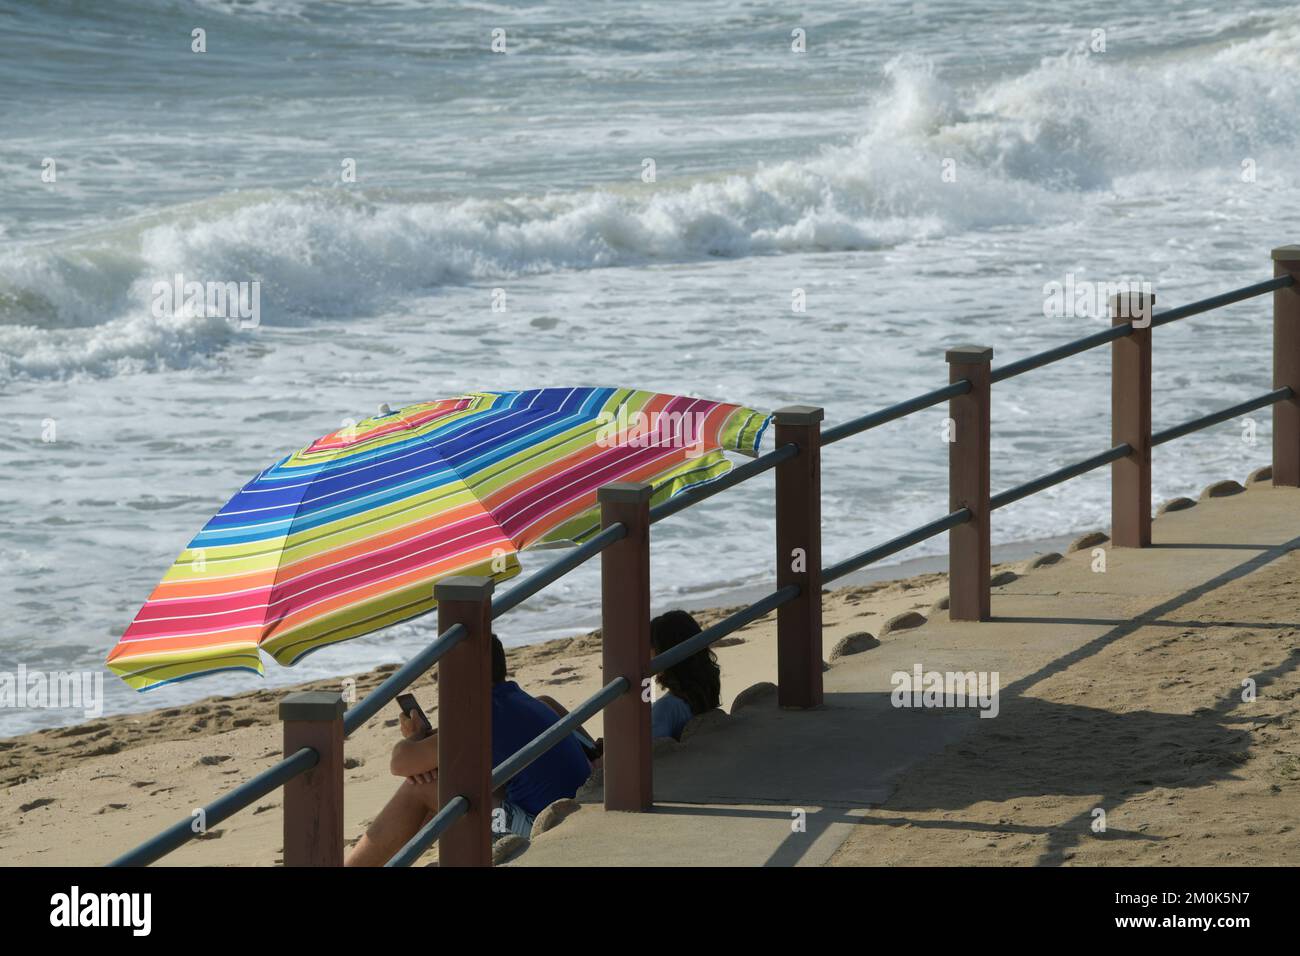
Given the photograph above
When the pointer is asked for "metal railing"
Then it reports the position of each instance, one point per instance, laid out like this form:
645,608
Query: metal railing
623,544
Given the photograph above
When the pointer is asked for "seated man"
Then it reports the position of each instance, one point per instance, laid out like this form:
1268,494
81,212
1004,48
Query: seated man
517,719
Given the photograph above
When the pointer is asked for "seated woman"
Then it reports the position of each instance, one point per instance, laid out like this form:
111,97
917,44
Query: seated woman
517,718
693,686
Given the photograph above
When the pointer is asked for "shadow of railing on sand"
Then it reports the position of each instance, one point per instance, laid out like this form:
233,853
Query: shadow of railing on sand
1232,752
1048,749
1147,618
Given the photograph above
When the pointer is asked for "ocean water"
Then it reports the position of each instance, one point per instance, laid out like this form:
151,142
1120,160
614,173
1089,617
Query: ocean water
921,172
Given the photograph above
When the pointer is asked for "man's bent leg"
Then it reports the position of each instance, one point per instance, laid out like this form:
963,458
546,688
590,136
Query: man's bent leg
409,809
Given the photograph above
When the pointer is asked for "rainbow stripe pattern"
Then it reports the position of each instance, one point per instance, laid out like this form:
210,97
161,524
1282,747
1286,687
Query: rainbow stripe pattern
348,535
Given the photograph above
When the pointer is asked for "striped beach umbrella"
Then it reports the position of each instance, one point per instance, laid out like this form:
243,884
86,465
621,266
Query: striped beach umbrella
348,535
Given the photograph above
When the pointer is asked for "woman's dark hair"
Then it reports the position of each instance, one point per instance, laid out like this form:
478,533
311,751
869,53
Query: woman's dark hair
498,661
696,680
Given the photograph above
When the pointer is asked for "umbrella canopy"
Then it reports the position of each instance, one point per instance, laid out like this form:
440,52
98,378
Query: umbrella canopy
348,535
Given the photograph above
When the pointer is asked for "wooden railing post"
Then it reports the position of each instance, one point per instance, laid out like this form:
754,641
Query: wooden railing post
465,719
1130,421
625,645
969,562
799,557
313,801
1286,369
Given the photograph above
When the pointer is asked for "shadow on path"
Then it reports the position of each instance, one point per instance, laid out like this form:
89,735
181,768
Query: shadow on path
849,755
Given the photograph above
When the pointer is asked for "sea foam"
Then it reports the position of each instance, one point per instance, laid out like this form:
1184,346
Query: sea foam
1027,149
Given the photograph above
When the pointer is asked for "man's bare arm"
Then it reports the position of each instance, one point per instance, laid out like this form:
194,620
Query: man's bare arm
415,755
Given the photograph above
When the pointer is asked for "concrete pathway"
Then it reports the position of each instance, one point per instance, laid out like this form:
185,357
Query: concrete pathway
733,791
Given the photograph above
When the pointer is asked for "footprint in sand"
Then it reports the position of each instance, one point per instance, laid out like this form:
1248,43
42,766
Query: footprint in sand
81,729
43,802
108,748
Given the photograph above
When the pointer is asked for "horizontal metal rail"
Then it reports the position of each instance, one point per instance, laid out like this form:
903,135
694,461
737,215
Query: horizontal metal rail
893,546
1029,363
557,569
1218,301
735,476
1214,418
531,751
733,622
1058,476
456,808
224,807
403,677
902,409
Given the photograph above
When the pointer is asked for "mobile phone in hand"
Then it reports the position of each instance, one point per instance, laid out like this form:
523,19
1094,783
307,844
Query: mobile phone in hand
409,704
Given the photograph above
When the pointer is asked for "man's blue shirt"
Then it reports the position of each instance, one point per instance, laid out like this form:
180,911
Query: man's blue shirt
517,718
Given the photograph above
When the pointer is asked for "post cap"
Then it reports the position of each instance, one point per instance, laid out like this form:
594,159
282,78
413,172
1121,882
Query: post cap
625,492
1286,254
1133,299
320,705
969,355
463,587
799,415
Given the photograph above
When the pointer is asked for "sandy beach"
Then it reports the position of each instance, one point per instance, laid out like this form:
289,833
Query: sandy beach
82,794
1150,727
